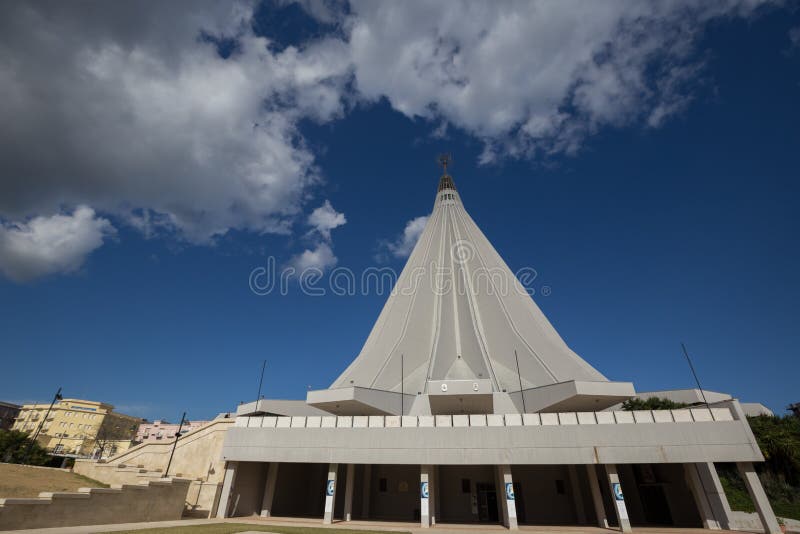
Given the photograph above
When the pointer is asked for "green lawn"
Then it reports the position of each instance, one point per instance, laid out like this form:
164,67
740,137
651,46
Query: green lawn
27,481
231,528
784,499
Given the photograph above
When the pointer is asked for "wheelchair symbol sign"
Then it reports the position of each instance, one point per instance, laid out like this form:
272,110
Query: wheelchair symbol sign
617,491
423,490
329,489
510,491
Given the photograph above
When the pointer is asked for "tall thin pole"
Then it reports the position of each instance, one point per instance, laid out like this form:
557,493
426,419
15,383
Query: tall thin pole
402,377
260,382
521,393
697,380
177,435
56,397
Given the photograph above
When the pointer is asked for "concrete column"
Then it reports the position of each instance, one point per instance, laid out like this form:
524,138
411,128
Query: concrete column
756,491
701,498
227,486
269,489
619,500
597,496
437,493
709,480
506,497
433,488
330,494
501,495
365,496
424,495
348,492
577,496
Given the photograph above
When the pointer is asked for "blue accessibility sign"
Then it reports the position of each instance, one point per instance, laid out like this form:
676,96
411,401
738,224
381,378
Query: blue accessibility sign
330,487
423,490
510,491
617,489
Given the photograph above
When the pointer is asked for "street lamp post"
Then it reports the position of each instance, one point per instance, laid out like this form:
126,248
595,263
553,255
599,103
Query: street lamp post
175,444
56,397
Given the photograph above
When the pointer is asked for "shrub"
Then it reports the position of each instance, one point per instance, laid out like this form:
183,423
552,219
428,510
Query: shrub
14,445
653,403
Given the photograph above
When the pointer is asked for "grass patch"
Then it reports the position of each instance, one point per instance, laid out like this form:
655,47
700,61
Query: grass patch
18,481
231,528
784,498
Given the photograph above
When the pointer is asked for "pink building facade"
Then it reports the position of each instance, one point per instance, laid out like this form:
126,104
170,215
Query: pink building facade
160,430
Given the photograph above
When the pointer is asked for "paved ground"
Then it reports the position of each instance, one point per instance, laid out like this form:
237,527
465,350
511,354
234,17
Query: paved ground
353,525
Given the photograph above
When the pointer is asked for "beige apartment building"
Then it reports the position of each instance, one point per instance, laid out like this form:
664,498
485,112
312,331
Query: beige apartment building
79,427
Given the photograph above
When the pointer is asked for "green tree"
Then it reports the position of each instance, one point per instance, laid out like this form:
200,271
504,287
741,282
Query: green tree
14,444
779,441
653,403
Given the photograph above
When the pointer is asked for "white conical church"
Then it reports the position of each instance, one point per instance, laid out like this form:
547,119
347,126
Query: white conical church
466,406
460,334
463,319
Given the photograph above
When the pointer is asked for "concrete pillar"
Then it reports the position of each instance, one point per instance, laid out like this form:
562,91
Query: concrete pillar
365,495
501,495
597,496
227,486
436,493
269,489
330,494
711,485
348,492
577,496
505,496
756,491
424,495
701,498
619,500
433,492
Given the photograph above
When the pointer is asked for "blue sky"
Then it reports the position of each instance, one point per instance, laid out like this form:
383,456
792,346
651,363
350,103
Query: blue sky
645,166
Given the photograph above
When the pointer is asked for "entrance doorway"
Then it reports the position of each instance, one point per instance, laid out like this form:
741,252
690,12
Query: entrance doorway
487,503
466,494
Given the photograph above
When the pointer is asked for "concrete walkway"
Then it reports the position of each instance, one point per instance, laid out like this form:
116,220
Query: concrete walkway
354,525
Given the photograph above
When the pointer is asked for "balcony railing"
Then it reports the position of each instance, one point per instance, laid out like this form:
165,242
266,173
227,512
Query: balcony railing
690,415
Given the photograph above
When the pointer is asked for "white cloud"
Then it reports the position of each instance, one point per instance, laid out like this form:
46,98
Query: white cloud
794,37
325,218
321,257
143,120
532,78
404,244
47,245
124,108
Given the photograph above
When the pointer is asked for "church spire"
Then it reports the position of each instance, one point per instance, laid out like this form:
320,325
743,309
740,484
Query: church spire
446,181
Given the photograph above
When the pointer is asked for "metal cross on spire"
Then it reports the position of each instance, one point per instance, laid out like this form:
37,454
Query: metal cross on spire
444,161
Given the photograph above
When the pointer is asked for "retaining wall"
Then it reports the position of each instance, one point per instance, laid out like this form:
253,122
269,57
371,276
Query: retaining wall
198,457
155,500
